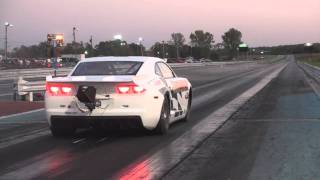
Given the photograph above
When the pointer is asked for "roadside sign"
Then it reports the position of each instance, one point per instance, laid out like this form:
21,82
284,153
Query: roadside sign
243,47
58,38
54,41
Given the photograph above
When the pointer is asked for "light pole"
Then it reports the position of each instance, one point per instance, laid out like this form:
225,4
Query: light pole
74,29
118,40
117,37
163,55
308,49
74,45
140,43
6,25
308,44
91,42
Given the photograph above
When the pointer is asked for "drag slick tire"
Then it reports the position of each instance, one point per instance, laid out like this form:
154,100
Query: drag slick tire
62,132
163,124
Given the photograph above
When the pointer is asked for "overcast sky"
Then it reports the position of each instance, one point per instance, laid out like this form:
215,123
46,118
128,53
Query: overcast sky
262,22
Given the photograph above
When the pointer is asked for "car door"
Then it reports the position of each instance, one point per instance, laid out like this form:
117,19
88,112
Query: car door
178,89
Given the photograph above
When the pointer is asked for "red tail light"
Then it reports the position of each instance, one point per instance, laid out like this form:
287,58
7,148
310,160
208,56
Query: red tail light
129,88
60,89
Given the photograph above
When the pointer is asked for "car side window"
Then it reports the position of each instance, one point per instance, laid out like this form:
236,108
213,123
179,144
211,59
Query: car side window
157,70
166,71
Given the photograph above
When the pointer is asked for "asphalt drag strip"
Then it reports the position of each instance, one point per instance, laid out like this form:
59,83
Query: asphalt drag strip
86,155
165,160
274,136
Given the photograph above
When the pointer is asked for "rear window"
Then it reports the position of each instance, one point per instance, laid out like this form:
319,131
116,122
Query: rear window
97,68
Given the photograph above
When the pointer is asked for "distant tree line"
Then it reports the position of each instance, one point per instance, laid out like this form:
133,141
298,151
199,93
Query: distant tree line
201,44
291,49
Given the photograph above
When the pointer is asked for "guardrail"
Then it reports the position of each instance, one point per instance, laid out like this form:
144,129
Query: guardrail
36,73
27,88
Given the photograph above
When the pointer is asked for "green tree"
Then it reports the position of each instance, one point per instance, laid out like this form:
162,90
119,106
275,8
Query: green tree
231,41
201,43
34,51
73,48
135,49
117,48
186,51
165,50
178,41
90,50
157,49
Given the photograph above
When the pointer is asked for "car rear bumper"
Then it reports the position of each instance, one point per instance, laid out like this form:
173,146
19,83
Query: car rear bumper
101,121
145,106
149,116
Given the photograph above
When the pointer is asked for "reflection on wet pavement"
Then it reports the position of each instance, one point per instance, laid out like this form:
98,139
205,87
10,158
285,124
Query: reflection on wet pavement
36,166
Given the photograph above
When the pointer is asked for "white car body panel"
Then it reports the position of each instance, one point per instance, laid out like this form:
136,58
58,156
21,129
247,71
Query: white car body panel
147,105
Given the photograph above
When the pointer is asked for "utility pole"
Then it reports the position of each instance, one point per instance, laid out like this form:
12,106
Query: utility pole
140,43
54,59
163,55
90,52
91,42
74,29
6,25
6,44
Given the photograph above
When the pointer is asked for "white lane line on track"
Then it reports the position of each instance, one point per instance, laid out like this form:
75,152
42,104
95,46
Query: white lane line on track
23,138
157,165
21,114
7,84
79,141
101,140
24,122
6,94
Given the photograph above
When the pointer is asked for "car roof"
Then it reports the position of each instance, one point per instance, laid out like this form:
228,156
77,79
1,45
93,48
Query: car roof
123,58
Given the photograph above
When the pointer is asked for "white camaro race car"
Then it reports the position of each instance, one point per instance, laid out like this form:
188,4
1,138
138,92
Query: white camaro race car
116,92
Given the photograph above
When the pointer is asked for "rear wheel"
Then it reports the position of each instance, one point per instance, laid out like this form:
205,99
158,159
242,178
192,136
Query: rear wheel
62,132
163,124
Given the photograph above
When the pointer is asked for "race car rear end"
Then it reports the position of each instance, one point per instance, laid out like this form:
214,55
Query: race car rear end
117,91
119,97
81,104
